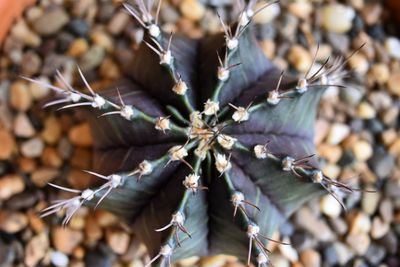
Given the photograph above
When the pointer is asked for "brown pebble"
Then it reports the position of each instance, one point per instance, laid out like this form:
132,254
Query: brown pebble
118,23
109,69
394,83
118,241
80,135
78,47
27,165
12,222
36,249
42,176
192,9
20,97
93,231
79,179
52,130
379,73
11,185
35,222
310,258
65,239
51,158
7,144
268,47
23,126
105,218
300,58
30,64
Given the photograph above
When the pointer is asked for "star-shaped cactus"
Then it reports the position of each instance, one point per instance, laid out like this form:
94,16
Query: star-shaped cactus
208,147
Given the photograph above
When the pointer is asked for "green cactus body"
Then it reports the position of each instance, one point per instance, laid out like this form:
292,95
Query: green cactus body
202,152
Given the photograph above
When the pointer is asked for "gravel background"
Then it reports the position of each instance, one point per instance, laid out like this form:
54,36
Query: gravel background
357,130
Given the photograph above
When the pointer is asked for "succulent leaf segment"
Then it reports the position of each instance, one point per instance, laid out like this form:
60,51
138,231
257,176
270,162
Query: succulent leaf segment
208,148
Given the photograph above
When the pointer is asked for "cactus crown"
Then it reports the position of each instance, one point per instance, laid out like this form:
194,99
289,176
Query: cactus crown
196,137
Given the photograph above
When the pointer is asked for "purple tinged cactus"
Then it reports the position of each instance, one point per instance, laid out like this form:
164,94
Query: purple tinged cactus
203,154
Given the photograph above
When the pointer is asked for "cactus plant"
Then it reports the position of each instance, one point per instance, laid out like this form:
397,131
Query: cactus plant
203,152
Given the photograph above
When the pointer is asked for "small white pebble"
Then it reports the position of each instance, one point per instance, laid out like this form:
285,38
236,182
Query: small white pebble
392,46
59,259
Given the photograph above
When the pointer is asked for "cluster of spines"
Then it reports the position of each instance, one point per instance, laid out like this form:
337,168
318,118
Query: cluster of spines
201,132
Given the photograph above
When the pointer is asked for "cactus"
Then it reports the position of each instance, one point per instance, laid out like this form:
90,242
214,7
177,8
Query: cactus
202,152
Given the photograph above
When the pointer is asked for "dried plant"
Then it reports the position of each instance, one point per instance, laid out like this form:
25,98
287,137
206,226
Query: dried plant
208,148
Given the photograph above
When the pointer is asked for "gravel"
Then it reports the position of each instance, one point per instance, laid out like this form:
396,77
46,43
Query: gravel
357,131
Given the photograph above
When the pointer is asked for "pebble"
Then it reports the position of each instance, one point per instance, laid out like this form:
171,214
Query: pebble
379,228
338,225
382,163
22,200
392,46
50,158
338,133
300,58
11,185
78,27
267,14
369,202
20,97
30,64
375,254
39,92
310,258
213,261
118,23
36,249
78,47
365,111
305,219
23,126
100,257
7,144
42,176
379,73
352,94
92,58
51,22
102,39
66,240
342,253
330,206
358,242
301,9
24,34
12,222
279,260
80,135
288,251
59,259
362,150
32,148
394,83
359,63
360,223
386,210
118,241
194,10
337,18
78,179
52,130
93,231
